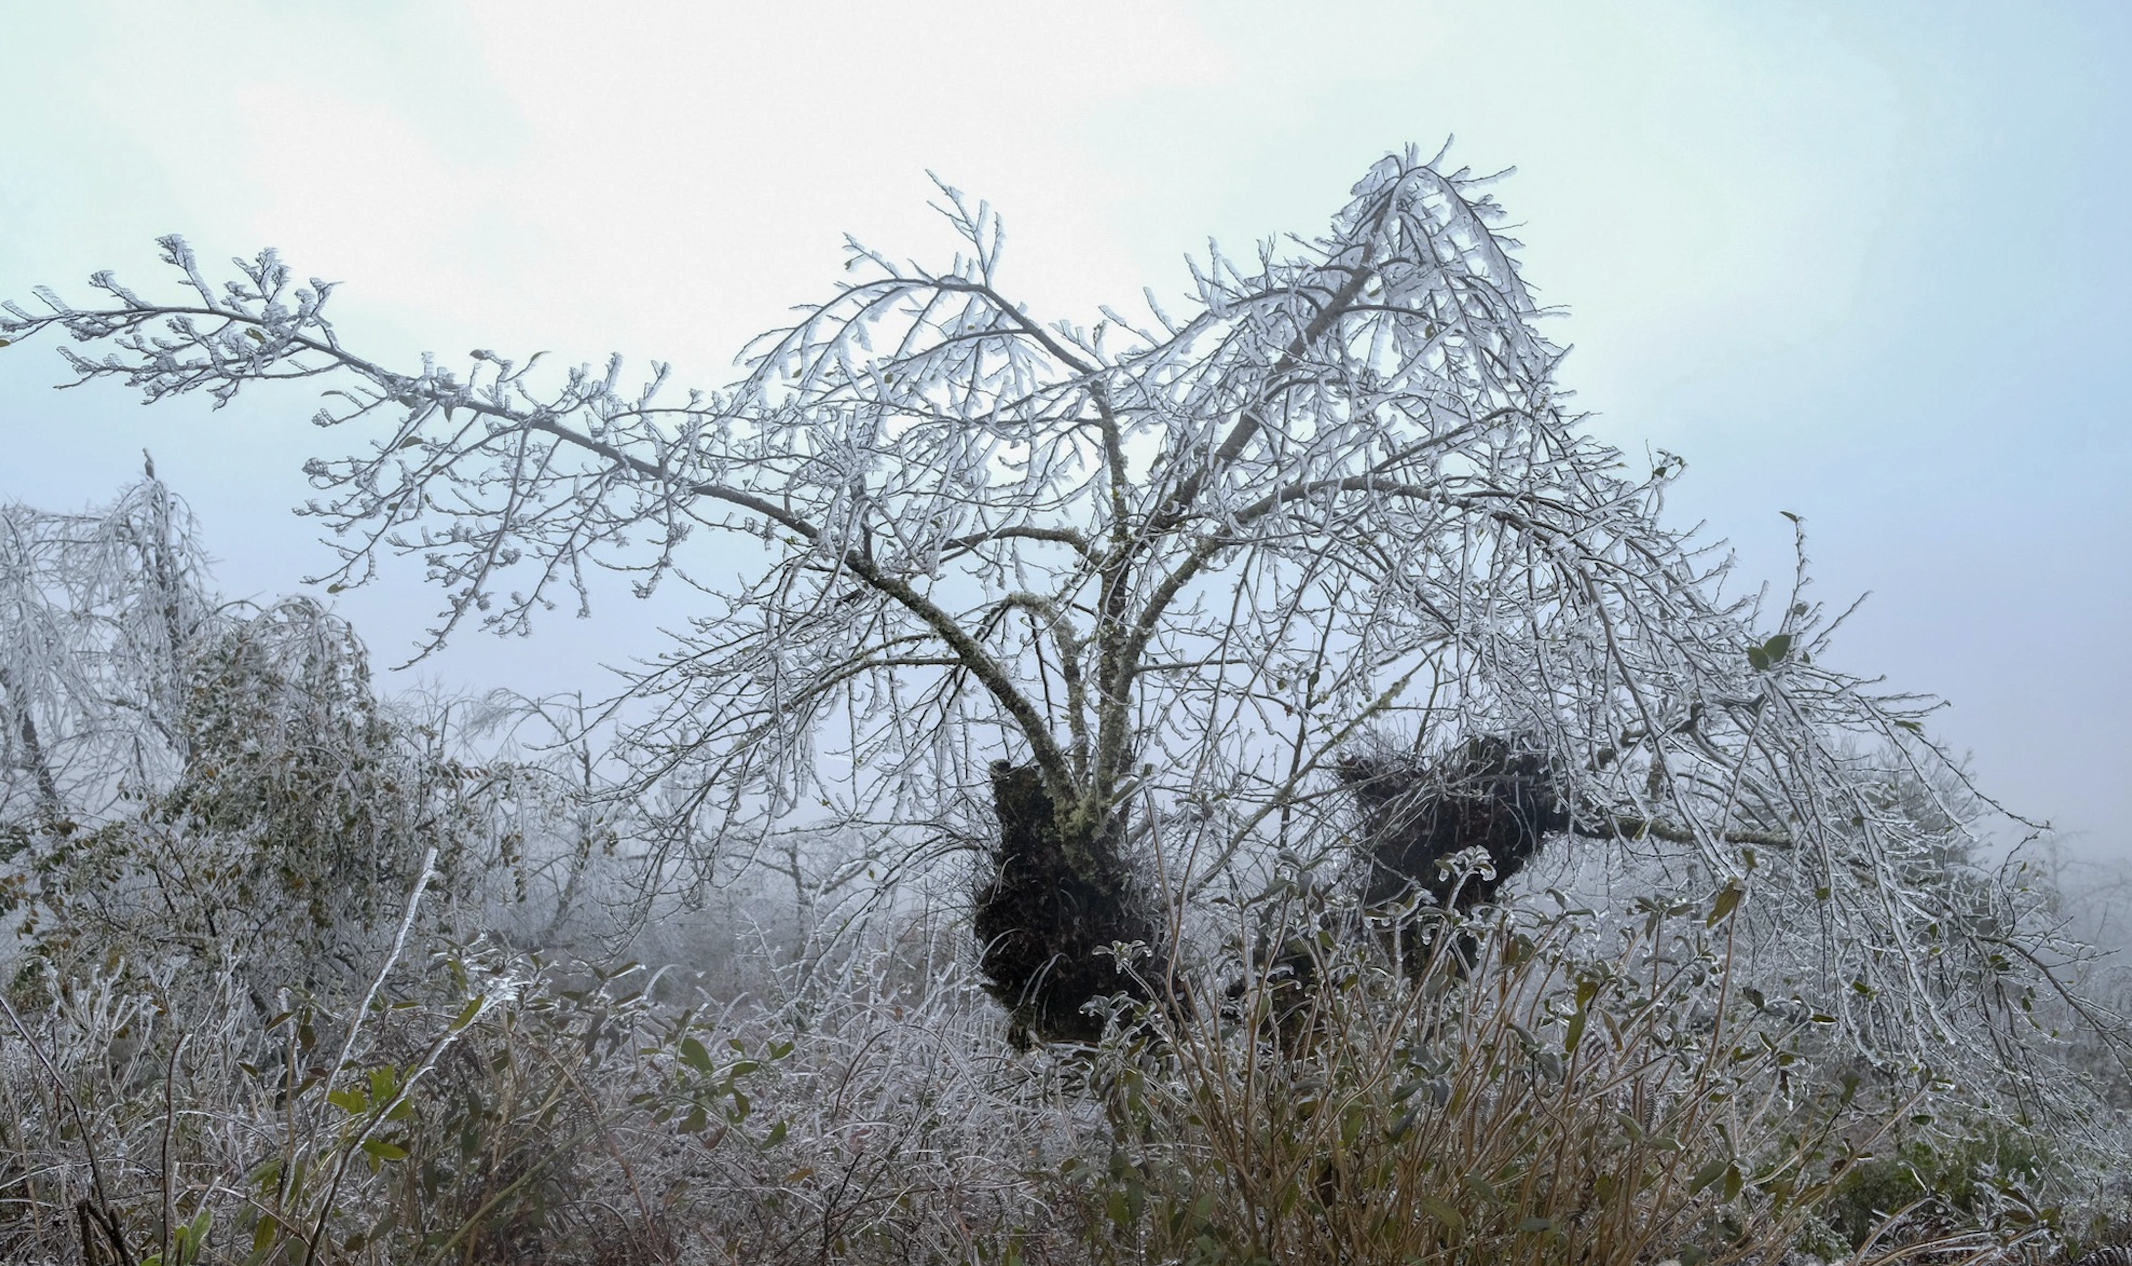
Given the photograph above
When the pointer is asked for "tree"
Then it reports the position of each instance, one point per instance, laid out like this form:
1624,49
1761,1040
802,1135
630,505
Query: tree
1140,583
187,782
98,612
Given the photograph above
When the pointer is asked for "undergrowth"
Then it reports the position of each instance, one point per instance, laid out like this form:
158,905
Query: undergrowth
1560,1096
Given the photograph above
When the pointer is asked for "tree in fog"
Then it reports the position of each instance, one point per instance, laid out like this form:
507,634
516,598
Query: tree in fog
1117,596
98,610
217,784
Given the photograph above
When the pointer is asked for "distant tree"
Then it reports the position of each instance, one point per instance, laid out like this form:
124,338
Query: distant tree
289,835
1117,597
98,611
217,785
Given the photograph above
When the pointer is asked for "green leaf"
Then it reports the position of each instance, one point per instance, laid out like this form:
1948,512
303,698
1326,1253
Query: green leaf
350,1101
1447,1217
1119,1212
384,1151
468,1012
774,1137
693,1054
1708,1174
1727,901
1770,653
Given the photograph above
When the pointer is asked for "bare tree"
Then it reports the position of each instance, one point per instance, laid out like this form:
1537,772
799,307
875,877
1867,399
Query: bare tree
1147,579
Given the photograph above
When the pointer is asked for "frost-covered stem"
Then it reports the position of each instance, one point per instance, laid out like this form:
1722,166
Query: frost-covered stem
81,1125
32,748
170,1125
423,874
354,1024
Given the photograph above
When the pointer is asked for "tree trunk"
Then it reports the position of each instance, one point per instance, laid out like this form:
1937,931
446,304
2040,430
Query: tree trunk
1057,896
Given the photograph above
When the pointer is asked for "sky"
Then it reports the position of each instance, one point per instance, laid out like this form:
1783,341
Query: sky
1867,264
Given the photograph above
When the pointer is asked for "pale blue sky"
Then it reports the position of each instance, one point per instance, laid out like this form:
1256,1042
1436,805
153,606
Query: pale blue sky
1869,264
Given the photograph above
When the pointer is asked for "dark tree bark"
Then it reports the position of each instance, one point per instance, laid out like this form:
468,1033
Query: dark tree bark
1484,794
1055,898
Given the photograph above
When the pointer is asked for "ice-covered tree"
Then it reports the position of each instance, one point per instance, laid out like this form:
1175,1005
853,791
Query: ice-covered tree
98,610
184,780
1118,595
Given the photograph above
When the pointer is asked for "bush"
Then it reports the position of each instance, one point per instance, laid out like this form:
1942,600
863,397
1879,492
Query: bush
1563,1101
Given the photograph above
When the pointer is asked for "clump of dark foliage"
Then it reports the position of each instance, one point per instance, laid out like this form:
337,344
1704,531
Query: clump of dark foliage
1054,899
1486,793
1049,908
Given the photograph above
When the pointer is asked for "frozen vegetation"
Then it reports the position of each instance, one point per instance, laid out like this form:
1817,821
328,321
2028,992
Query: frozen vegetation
1242,779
